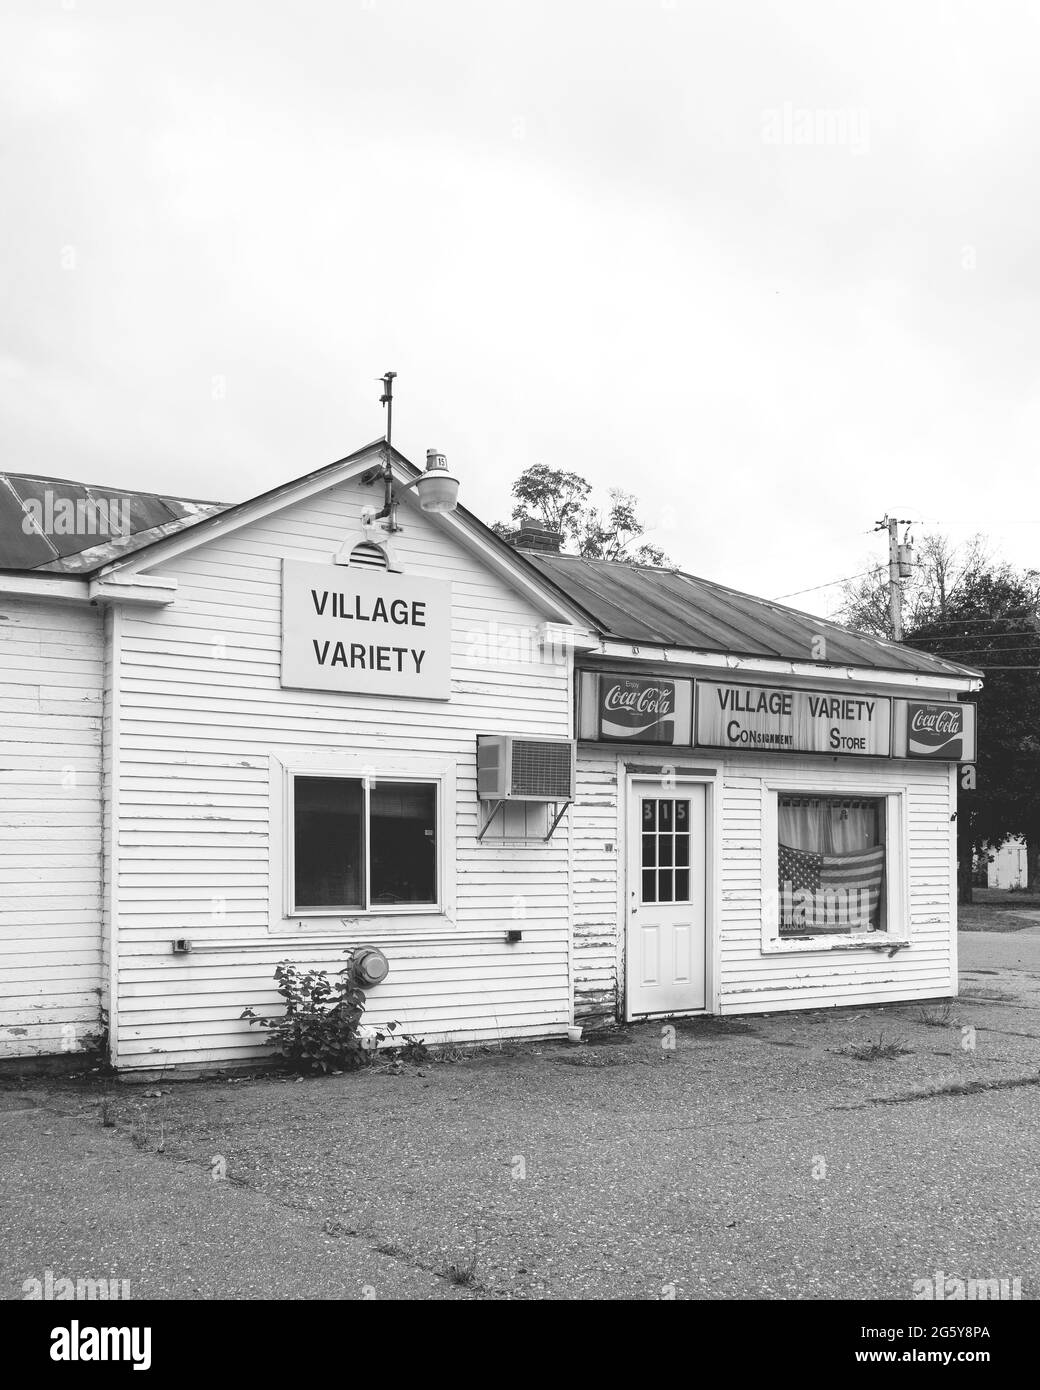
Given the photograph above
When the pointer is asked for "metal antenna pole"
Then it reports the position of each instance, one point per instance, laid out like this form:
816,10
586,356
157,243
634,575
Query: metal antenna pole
387,400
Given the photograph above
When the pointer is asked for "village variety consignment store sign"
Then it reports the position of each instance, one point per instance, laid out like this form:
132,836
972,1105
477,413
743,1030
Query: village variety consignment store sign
791,721
682,712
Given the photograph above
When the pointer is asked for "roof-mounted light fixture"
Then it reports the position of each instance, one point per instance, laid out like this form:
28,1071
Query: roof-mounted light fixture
437,488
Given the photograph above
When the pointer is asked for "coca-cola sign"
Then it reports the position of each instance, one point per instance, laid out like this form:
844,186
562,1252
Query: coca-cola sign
637,710
938,731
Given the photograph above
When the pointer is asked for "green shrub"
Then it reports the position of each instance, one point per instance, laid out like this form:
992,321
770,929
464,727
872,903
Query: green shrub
319,1030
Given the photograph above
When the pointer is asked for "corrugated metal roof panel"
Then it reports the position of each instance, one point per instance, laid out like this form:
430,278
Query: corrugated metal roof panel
64,527
188,513
22,546
657,607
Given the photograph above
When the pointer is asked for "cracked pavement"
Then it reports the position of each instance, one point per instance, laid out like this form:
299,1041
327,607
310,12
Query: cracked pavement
768,1156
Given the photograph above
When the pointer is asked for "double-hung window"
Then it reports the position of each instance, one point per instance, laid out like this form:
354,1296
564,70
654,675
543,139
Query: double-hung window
363,844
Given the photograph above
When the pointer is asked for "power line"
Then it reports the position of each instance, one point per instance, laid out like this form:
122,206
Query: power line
1006,639
971,658
966,622
978,653
980,633
1011,620
967,653
816,587
974,521
998,642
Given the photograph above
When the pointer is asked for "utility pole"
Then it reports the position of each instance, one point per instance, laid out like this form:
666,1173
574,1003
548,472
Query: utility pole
900,558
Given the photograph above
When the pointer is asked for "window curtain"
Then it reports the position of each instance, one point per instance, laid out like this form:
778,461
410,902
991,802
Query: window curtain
825,826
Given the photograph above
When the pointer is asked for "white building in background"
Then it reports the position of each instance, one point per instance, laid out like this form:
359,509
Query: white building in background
1008,866
547,790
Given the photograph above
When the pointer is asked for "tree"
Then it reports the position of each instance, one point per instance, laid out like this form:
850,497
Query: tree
940,574
559,501
979,612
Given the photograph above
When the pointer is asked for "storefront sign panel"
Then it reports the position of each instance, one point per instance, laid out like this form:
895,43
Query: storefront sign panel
623,708
370,633
769,719
942,732
641,710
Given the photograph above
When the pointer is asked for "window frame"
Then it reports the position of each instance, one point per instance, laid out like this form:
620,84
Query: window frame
367,907
284,916
895,886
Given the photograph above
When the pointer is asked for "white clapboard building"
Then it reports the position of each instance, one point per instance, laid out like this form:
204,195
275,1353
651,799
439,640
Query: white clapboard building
549,791
1007,865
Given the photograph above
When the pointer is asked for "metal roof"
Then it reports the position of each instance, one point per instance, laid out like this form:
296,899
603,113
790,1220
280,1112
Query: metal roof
630,603
667,608
57,526
98,556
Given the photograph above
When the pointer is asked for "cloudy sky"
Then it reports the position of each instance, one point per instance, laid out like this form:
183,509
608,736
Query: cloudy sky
772,267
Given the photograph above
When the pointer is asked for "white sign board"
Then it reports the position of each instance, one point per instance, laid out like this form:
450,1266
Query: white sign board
765,719
365,632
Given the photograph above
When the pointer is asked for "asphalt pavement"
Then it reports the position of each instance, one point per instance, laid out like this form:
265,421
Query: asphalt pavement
832,1154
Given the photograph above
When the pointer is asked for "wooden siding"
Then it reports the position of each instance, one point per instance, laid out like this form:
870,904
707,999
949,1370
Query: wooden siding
597,846
50,798
749,980
199,835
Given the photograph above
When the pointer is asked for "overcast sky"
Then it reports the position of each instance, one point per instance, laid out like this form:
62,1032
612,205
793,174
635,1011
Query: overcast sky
772,267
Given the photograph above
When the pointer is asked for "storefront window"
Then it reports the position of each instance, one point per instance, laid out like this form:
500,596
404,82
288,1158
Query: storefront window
831,864
358,847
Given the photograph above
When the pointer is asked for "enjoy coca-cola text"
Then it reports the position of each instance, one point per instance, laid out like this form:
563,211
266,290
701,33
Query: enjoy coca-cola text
647,699
936,721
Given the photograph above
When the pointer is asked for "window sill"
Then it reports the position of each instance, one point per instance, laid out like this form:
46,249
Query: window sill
876,941
342,923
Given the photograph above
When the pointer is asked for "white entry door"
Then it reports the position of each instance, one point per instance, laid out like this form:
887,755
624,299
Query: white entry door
666,898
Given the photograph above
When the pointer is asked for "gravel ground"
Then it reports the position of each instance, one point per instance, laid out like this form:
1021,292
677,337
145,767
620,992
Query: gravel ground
816,1155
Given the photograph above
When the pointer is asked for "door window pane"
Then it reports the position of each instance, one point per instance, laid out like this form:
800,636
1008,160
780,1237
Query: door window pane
666,847
329,842
402,832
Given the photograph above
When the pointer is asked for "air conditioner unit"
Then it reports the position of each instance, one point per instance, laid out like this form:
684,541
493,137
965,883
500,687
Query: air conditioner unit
511,768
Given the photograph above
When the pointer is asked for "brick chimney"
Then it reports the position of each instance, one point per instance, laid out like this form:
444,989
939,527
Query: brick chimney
532,535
